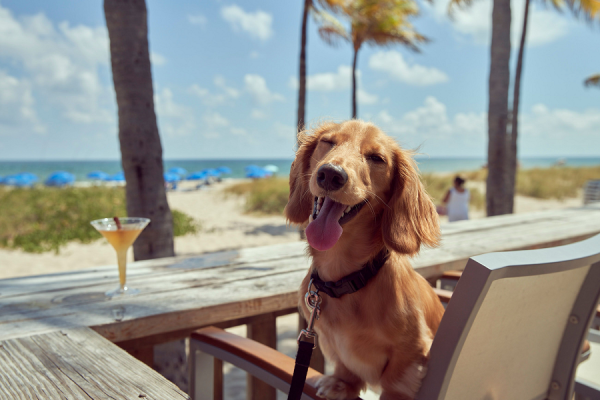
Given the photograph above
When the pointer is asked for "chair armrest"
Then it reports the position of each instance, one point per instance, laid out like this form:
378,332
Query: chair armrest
443,295
265,363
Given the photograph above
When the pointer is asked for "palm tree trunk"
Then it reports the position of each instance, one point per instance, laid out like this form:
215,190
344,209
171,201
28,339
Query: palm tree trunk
354,111
499,82
514,130
302,78
141,150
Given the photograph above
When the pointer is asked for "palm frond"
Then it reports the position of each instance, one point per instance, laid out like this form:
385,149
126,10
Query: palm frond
588,9
453,4
330,29
593,80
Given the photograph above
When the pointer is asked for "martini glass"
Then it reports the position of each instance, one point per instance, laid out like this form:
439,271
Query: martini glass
121,233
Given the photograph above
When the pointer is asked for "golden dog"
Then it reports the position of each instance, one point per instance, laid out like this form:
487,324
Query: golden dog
362,199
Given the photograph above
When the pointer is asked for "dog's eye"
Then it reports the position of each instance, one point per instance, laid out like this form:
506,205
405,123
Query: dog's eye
375,158
328,141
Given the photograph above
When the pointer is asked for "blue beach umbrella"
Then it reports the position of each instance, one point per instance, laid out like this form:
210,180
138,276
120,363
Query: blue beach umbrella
224,170
20,180
98,175
170,178
177,171
252,168
257,173
196,176
271,168
118,177
212,172
60,179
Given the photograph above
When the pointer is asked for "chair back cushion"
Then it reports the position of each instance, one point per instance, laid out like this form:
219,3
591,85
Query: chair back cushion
515,325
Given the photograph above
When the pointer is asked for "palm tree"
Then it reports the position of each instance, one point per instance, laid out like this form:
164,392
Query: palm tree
375,22
302,79
499,81
593,80
309,7
141,150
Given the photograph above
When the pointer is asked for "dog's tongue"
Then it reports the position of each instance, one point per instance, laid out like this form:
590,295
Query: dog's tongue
325,230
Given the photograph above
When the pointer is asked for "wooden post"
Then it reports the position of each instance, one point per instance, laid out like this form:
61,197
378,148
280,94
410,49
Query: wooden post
263,329
317,361
171,362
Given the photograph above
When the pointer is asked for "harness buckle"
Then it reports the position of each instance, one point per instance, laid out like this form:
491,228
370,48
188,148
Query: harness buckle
313,302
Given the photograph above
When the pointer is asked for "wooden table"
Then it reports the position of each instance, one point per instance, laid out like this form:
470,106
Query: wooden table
76,363
179,295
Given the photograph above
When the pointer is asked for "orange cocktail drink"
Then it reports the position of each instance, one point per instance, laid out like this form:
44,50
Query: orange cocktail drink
121,233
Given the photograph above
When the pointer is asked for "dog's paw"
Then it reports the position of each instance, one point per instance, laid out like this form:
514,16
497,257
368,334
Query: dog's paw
333,388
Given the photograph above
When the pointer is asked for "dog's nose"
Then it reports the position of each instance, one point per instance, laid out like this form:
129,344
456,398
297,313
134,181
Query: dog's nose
331,177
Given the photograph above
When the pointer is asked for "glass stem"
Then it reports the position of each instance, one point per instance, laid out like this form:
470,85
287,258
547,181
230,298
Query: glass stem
122,260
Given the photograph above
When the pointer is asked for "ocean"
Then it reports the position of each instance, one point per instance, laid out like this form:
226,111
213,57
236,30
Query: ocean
426,164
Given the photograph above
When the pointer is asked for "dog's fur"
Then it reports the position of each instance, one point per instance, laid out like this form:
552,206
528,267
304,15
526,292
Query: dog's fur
380,335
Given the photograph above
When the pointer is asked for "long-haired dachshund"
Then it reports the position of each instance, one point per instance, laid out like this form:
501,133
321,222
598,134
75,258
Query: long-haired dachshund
365,212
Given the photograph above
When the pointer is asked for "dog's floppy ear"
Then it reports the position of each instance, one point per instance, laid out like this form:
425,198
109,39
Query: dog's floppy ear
299,204
411,218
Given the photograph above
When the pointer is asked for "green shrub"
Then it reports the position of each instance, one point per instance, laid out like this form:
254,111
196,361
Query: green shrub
44,219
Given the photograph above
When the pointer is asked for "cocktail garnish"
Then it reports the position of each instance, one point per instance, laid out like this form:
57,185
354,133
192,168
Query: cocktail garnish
118,223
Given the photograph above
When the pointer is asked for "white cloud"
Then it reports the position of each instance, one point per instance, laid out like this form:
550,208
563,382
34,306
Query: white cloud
397,68
157,59
336,81
560,123
16,105
220,82
61,63
198,19
174,119
430,126
215,125
257,87
258,114
545,24
328,81
363,97
256,24
225,93
543,131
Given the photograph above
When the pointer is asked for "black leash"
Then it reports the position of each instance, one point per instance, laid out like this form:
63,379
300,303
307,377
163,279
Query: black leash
348,284
305,348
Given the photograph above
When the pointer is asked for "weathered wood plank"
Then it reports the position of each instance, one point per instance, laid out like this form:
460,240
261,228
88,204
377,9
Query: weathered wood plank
76,364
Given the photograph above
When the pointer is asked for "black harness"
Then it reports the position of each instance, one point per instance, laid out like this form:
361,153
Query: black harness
353,282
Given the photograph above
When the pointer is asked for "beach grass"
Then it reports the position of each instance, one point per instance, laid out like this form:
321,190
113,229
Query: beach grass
547,183
44,219
263,196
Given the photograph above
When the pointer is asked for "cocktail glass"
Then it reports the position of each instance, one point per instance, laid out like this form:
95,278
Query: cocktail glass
121,233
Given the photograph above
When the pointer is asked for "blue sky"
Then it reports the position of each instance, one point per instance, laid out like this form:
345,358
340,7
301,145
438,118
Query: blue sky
225,81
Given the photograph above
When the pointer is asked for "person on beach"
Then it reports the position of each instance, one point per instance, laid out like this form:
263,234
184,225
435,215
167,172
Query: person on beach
456,201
